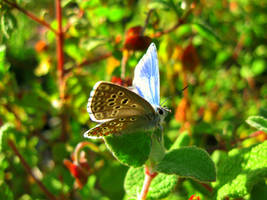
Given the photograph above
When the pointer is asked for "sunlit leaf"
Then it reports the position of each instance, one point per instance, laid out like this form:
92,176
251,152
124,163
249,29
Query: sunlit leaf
160,187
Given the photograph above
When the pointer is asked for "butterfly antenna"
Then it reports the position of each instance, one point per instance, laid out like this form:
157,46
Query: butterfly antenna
184,88
162,104
164,101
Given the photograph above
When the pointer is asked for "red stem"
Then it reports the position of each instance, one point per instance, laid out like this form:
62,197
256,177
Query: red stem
207,186
60,70
80,146
60,55
148,178
145,188
238,47
29,171
30,15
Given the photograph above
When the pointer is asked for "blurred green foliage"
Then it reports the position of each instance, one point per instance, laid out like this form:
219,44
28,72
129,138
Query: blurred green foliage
219,50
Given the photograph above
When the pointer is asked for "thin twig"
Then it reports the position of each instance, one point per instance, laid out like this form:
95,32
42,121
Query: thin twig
94,60
207,187
69,72
30,15
147,20
29,171
238,47
159,34
180,22
125,57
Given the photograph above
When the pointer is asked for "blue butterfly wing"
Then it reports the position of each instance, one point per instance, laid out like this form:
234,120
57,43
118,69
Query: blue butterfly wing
146,76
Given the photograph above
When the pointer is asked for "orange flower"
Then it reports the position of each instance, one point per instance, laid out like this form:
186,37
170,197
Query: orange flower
80,171
40,46
181,110
194,197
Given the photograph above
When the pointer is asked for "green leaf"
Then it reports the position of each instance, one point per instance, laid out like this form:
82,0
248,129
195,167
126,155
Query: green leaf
205,32
240,170
112,185
3,65
184,30
181,141
93,43
258,66
258,122
203,127
8,127
4,164
89,191
160,186
259,191
190,162
59,151
246,72
130,149
73,49
159,5
115,13
8,23
5,192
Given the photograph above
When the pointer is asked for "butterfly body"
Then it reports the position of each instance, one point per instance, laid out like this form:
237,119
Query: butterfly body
120,110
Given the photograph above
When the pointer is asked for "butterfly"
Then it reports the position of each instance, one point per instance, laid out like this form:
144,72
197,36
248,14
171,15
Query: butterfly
119,110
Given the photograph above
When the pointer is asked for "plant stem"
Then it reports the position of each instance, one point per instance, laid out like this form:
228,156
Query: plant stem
29,171
80,146
180,22
159,34
156,155
61,72
147,20
96,59
148,178
60,55
124,60
30,15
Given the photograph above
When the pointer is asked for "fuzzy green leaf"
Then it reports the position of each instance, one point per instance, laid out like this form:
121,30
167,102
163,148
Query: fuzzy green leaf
191,162
259,191
130,149
258,122
239,170
160,186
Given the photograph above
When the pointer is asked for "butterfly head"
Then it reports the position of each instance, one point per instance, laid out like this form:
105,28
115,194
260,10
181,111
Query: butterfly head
162,113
